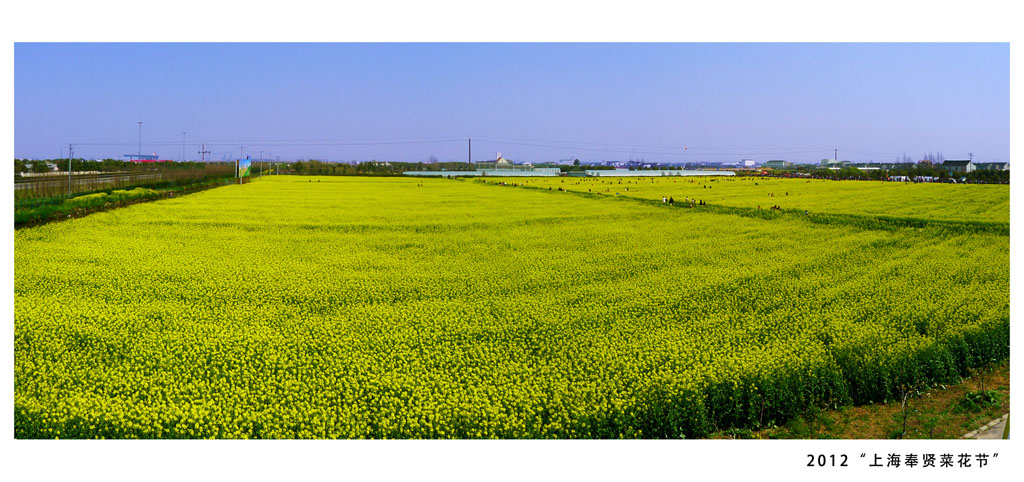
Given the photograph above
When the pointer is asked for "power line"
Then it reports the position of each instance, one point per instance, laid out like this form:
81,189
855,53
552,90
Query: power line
277,143
329,144
203,152
354,139
674,153
571,145
643,146
605,148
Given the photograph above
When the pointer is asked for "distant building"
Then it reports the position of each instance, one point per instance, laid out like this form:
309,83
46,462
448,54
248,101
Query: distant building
748,163
834,163
959,166
991,166
658,173
499,163
141,157
502,164
49,166
777,164
696,165
874,166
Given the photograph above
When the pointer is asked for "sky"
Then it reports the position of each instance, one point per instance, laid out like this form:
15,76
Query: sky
537,102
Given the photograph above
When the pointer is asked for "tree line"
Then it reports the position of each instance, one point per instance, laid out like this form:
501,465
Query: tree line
913,171
392,168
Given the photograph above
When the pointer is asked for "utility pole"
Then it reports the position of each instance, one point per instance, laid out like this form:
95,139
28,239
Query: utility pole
70,150
261,163
971,155
470,158
182,146
835,154
203,152
140,141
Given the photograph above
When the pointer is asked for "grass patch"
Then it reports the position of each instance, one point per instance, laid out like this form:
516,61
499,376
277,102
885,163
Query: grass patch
940,412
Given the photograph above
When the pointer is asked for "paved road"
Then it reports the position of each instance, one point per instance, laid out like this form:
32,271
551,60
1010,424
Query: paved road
990,431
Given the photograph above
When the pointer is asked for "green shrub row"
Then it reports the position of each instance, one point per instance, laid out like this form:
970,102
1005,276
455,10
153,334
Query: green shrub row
759,401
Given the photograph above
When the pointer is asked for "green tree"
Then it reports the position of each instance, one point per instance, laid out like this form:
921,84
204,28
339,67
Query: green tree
40,166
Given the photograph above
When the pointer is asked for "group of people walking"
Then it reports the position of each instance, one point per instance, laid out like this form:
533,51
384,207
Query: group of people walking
690,202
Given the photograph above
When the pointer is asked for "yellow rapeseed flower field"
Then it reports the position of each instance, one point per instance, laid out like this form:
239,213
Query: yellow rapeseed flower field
928,201
340,307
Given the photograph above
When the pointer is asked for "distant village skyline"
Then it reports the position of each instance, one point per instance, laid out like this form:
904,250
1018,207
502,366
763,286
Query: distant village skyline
931,156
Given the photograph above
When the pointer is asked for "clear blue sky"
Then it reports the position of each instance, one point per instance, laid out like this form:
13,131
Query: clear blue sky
532,102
